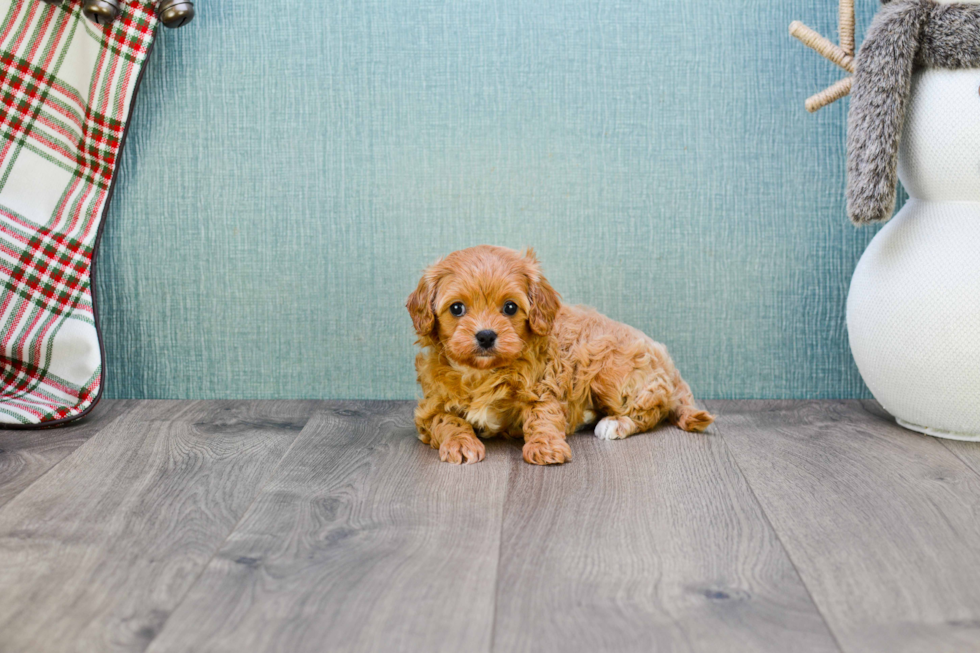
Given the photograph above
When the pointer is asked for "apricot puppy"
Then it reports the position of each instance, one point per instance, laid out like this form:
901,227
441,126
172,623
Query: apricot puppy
501,355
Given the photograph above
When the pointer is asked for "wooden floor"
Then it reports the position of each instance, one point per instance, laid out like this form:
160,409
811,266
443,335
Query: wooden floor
327,526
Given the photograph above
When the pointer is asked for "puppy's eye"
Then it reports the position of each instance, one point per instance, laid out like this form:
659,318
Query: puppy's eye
457,309
510,308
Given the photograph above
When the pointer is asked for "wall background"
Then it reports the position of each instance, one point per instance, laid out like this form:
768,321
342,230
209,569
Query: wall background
290,172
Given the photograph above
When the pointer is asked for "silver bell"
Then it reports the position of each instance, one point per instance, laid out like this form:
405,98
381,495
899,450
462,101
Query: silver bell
101,12
175,13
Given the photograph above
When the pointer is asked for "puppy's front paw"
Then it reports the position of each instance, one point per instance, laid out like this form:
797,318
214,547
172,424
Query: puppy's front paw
614,428
695,421
554,451
459,450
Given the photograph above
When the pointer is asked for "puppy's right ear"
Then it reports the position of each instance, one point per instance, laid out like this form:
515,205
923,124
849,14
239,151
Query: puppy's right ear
545,300
420,305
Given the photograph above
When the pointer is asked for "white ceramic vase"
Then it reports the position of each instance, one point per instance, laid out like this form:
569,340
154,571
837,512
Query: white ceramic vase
913,312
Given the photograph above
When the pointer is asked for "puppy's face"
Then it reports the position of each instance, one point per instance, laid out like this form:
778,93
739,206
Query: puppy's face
483,305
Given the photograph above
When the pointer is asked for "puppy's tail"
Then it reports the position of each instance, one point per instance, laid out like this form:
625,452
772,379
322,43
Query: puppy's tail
685,414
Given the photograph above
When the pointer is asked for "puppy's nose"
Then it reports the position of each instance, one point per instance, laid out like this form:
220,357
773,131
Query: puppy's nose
486,338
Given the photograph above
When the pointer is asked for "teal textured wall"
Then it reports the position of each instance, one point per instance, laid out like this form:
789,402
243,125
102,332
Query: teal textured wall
293,166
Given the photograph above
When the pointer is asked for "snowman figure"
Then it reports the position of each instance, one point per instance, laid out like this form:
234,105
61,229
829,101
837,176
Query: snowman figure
913,312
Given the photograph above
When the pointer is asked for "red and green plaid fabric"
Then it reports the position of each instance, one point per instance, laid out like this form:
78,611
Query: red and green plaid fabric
66,86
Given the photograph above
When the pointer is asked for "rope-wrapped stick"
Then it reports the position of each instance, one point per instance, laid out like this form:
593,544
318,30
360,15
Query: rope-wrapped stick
836,92
842,55
824,46
847,26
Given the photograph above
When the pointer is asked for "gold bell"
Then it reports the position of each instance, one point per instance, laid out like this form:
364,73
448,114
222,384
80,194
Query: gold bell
101,12
175,13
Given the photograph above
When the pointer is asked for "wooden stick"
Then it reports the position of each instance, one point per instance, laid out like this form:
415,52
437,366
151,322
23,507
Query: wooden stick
847,26
829,96
813,40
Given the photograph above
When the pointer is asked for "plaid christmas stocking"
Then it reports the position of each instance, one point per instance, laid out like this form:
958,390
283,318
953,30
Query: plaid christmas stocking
66,88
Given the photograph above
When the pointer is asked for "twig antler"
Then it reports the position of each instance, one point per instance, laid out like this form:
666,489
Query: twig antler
842,55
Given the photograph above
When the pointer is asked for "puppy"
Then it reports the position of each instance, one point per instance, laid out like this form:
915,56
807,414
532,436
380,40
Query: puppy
503,356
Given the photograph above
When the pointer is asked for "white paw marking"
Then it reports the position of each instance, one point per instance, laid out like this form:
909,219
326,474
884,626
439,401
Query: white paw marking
608,428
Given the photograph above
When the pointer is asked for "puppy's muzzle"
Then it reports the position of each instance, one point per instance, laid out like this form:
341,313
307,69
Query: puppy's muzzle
486,339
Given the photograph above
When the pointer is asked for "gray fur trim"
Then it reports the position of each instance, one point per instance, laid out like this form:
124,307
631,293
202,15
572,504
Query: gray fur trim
881,88
905,35
951,38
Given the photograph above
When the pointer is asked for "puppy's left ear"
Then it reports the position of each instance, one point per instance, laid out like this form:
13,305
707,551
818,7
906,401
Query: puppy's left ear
545,301
420,305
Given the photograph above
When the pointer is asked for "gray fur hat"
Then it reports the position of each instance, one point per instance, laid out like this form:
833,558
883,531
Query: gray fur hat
905,35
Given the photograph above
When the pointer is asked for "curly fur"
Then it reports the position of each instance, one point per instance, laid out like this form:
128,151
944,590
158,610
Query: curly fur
905,35
555,368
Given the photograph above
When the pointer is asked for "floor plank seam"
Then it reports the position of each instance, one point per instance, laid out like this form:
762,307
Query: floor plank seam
779,538
500,552
62,461
258,492
946,444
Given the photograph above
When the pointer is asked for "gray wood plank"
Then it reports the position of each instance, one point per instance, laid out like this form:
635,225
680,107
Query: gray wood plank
881,522
26,455
97,552
361,541
968,452
654,543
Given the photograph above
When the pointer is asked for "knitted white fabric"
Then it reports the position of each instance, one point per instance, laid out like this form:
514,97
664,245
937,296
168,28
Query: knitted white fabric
913,312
